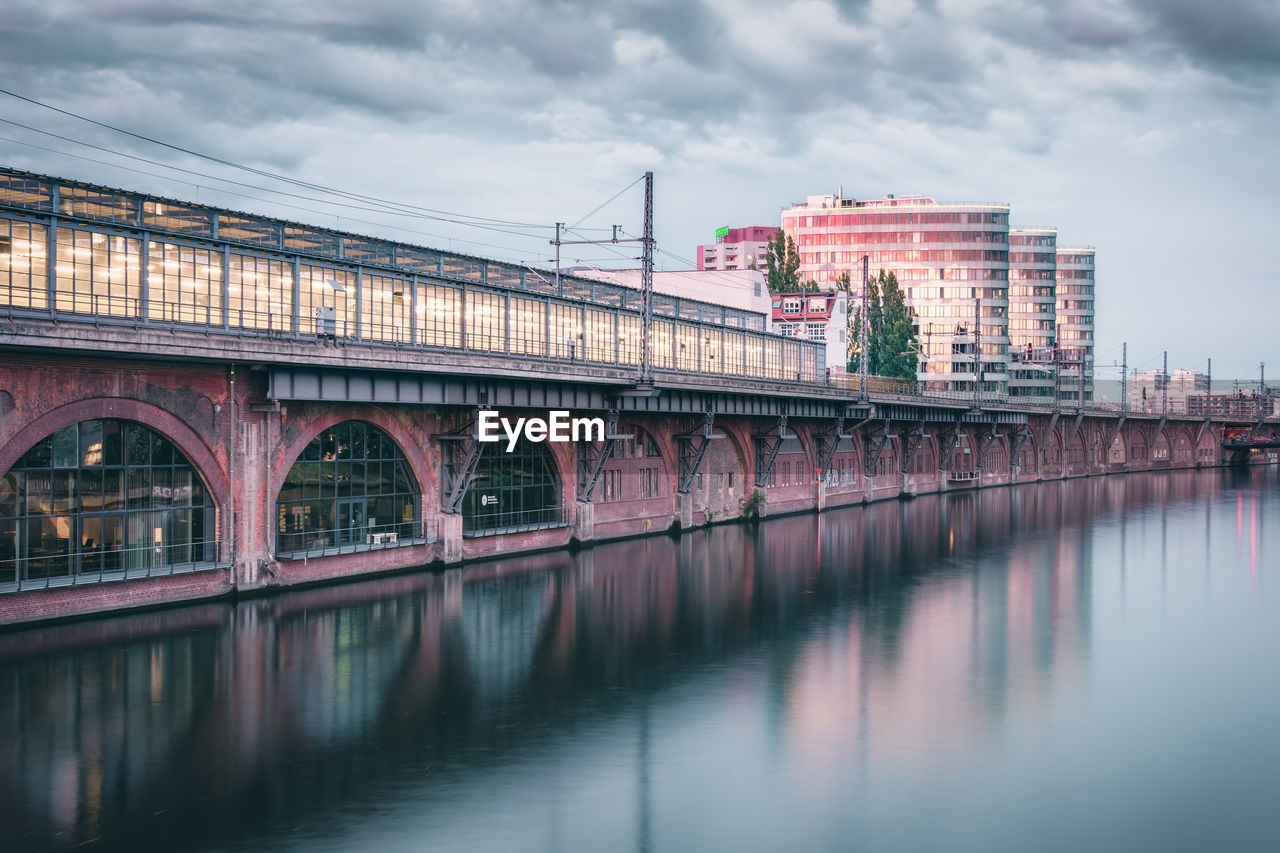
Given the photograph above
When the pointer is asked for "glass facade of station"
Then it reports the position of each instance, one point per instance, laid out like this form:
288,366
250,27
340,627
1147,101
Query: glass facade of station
512,491
106,254
351,487
102,500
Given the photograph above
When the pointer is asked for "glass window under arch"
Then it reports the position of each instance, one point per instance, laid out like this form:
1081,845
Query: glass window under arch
350,487
519,490
102,500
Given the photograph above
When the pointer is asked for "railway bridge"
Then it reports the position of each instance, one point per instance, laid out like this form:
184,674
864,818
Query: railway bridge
196,402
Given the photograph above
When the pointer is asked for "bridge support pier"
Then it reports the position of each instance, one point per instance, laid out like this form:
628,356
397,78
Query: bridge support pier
584,521
451,537
684,510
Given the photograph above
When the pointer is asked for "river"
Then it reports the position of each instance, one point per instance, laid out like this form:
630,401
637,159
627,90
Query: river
1082,665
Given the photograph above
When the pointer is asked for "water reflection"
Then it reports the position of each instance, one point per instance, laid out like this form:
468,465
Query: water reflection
803,683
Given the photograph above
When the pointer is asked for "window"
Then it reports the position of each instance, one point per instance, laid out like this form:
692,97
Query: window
350,487
519,490
648,482
98,500
816,331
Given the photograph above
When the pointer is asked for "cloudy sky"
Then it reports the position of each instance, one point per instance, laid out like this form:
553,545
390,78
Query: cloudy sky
1146,128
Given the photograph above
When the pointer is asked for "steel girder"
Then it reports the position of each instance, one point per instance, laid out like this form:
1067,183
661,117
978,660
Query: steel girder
692,447
767,447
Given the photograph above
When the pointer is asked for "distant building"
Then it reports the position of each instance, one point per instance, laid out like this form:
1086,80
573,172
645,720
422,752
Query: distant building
1148,389
1033,268
737,248
822,316
813,316
1074,321
741,289
952,261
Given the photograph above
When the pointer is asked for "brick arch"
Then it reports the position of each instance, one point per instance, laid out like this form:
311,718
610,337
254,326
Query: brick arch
1033,447
1097,445
1117,453
197,451
285,458
1053,446
1160,442
666,453
1183,447
1001,443
734,448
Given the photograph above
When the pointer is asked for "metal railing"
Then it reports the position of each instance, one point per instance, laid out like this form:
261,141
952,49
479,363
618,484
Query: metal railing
477,319
104,565
515,521
301,544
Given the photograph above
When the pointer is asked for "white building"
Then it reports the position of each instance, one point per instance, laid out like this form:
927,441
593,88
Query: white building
814,316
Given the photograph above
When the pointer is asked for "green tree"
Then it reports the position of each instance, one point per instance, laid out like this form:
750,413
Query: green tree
890,350
782,263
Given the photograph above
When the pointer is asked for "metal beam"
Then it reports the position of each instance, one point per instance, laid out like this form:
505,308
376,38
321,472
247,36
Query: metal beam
1075,428
911,441
592,459
692,447
828,442
1115,432
985,440
875,445
947,443
767,447
1019,442
460,454
1204,427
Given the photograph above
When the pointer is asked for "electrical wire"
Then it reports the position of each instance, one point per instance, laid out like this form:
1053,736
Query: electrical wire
393,206
503,248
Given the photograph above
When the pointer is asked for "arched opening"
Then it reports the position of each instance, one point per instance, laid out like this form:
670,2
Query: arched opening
1116,454
791,465
1160,448
509,492
1138,452
103,499
843,472
351,488
722,483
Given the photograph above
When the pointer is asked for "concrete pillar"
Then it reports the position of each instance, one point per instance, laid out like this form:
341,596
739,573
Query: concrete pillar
584,521
684,510
254,512
451,537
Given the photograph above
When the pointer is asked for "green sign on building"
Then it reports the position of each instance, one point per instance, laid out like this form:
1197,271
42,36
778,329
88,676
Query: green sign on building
722,232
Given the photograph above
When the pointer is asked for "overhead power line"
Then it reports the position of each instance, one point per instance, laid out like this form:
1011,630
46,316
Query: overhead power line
393,206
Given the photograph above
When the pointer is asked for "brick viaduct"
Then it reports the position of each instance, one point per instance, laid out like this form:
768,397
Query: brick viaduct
243,424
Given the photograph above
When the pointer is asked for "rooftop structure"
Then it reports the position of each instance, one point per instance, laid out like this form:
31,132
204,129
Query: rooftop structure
736,248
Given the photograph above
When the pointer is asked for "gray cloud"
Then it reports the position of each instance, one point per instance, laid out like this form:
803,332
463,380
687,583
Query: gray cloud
740,105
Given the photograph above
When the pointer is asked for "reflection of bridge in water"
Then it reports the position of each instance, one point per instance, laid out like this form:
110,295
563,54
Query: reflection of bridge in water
345,697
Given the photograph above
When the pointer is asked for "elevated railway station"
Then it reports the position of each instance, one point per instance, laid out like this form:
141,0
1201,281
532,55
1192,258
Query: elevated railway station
198,402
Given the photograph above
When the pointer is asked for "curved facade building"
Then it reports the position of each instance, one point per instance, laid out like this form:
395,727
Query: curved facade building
1033,267
952,261
1075,322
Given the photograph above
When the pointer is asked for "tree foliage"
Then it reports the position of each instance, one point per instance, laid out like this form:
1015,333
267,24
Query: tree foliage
782,263
891,348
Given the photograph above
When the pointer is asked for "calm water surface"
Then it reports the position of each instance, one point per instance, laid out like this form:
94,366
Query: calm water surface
1090,665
